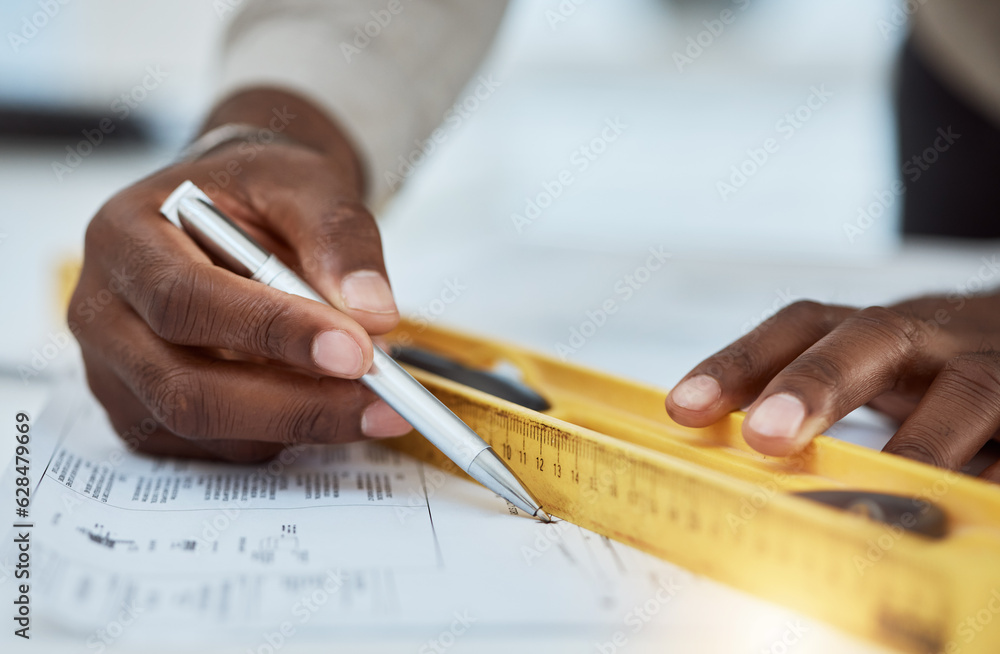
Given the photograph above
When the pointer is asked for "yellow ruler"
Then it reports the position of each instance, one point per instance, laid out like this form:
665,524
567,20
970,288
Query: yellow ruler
918,571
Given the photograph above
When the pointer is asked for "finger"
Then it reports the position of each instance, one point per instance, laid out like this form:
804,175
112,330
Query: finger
860,359
992,473
187,300
959,413
337,243
202,398
734,376
140,432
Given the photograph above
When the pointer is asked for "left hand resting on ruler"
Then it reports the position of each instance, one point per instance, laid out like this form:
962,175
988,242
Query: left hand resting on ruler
931,363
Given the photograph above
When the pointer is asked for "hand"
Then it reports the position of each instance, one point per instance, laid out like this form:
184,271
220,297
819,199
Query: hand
931,363
190,359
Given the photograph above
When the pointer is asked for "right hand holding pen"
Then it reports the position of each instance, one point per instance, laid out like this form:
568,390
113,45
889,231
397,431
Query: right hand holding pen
190,359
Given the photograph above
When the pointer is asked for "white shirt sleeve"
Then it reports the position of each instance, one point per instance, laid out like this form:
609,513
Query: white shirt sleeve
387,71
961,43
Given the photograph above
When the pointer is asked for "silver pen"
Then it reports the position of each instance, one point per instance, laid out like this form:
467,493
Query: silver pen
191,210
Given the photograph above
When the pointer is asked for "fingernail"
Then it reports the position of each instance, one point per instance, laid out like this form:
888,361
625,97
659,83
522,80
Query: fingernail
380,421
337,353
779,416
367,290
697,393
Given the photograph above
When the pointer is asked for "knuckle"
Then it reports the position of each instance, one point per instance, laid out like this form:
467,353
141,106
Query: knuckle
182,307
310,422
177,398
737,360
109,213
96,235
342,224
78,325
806,311
894,326
987,361
170,309
816,370
112,223
324,421
922,445
263,326
974,376
810,317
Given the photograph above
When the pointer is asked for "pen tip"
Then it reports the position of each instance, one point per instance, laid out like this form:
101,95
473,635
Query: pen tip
543,516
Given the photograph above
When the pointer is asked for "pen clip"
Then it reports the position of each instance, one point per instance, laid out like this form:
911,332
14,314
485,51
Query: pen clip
170,207
215,233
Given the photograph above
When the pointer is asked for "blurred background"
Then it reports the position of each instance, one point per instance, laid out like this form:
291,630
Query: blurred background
692,103
481,237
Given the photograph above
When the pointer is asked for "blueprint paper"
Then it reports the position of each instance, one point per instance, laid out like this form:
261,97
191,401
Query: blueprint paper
322,545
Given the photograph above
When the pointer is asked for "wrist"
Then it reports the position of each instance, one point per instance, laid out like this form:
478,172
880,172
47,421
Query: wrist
283,116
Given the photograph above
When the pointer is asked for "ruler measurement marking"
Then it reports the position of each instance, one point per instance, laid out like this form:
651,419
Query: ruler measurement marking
913,615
